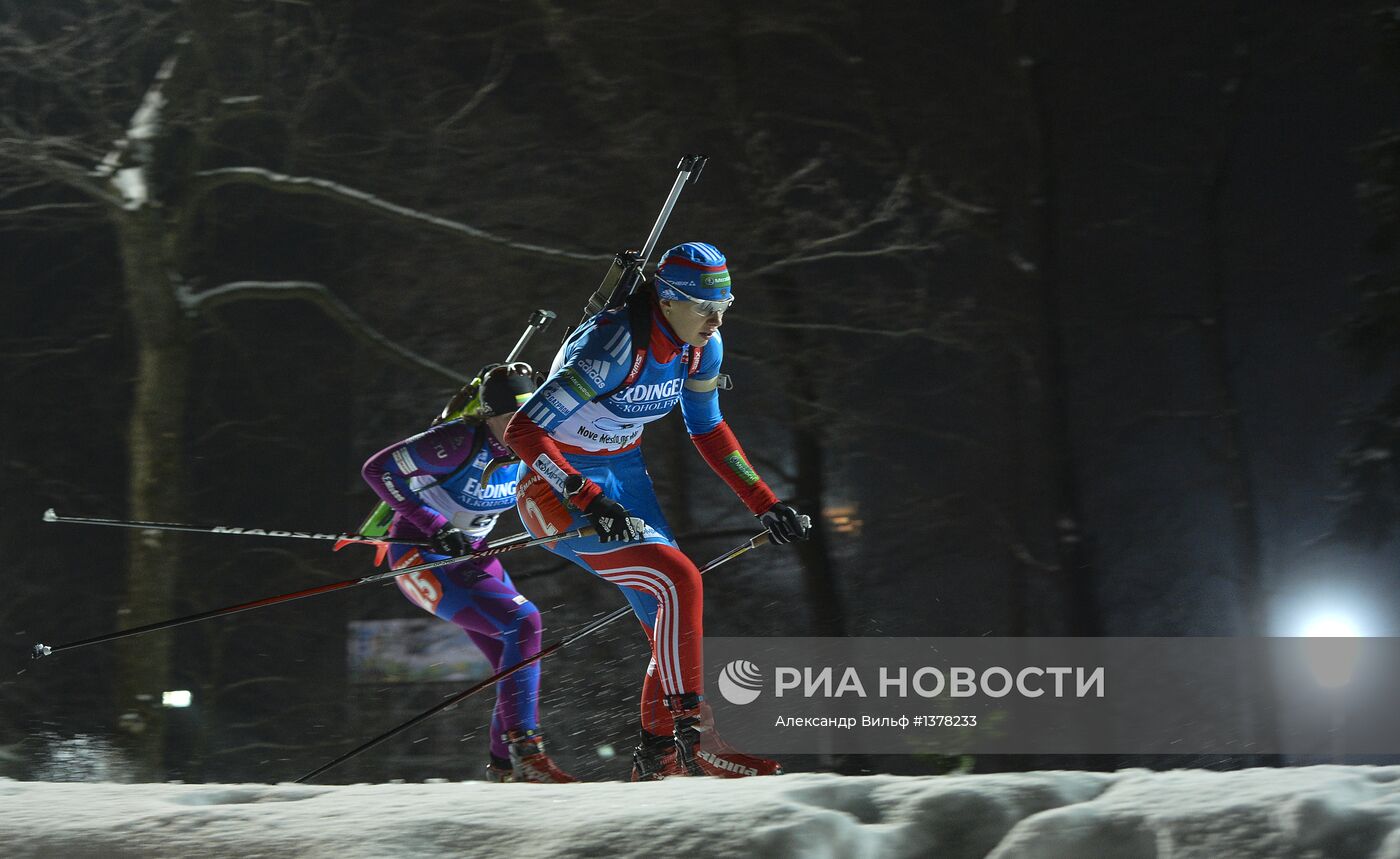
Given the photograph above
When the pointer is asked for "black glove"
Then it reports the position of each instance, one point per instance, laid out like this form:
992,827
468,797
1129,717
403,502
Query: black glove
784,524
451,542
611,522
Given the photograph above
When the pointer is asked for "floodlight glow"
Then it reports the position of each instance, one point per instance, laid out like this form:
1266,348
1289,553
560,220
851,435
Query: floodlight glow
1332,649
1331,626
176,698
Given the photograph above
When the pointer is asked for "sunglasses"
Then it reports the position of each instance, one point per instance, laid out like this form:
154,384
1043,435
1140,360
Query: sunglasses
699,306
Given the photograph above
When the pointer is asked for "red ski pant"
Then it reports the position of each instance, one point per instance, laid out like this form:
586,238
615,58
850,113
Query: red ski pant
662,585
676,634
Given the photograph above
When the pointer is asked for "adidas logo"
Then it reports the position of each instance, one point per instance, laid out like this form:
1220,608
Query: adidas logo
721,763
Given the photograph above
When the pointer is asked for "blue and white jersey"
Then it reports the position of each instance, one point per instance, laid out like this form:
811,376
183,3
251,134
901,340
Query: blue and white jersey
430,481
598,359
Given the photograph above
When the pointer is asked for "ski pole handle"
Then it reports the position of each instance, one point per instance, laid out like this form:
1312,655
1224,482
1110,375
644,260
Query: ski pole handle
539,321
51,516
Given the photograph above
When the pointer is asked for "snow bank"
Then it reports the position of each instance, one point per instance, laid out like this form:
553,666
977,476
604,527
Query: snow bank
1341,812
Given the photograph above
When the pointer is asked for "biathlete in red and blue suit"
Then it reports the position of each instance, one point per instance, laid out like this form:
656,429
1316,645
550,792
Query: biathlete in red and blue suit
580,437
444,492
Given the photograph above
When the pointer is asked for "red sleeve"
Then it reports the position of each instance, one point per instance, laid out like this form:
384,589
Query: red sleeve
721,450
541,455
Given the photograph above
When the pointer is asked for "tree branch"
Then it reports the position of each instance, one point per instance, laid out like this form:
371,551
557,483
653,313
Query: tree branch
338,311
22,218
799,259
35,156
498,68
894,333
212,179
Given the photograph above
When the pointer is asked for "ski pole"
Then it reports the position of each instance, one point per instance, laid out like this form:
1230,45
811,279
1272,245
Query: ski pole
51,516
627,265
500,547
588,629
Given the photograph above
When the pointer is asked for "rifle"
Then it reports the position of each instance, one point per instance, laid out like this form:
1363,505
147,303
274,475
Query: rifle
626,270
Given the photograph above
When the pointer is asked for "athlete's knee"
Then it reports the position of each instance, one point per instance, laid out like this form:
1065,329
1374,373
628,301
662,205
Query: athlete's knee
526,625
682,573
651,575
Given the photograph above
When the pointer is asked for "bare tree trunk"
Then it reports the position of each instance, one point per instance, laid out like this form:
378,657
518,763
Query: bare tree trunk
1216,335
1045,336
828,614
1019,503
808,441
1073,557
818,572
155,483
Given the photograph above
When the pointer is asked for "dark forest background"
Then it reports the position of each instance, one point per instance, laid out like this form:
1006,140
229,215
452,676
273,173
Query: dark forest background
1059,319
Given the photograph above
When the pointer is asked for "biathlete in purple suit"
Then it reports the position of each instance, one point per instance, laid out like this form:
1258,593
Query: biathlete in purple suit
444,491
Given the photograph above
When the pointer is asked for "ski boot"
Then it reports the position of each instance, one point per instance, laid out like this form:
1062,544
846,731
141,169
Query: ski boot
699,749
499,771
528,762
654,758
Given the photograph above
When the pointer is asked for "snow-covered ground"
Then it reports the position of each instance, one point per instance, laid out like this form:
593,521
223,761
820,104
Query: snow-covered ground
1323,812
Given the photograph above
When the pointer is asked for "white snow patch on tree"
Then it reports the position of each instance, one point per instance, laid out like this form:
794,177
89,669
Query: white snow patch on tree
136,148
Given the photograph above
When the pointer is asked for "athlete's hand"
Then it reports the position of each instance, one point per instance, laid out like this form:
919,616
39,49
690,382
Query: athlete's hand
451,542
611,522
784,524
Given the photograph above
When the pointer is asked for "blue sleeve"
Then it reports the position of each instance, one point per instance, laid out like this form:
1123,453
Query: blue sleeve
594,363
700,396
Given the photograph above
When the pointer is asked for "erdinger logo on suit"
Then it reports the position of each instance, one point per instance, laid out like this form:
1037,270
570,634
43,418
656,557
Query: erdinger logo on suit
653,392
740,682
